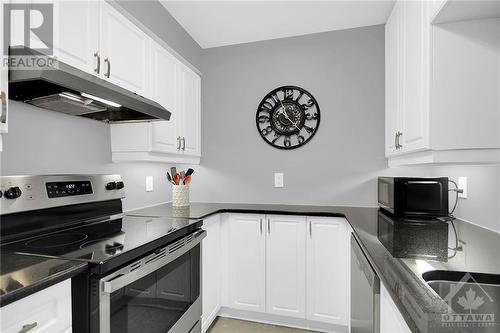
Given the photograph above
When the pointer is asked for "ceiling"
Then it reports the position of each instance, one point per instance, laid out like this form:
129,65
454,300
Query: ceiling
220,23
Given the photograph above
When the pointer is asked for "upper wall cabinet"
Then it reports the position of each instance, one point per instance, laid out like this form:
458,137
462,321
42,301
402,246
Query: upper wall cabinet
178,89
3,87
125,51
442,88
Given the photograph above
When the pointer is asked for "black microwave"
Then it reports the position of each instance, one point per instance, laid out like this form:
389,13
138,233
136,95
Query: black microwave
404,196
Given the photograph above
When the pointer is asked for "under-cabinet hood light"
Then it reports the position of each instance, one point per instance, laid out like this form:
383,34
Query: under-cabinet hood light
102,100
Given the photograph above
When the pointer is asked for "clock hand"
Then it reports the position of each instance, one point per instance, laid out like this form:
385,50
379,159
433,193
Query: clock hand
287,117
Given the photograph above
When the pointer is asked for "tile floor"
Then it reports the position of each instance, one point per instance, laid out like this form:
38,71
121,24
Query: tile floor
227,325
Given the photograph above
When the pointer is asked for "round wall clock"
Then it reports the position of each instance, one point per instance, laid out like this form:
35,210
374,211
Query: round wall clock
288,117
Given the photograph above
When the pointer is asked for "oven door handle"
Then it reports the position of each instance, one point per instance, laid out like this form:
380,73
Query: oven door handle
151,263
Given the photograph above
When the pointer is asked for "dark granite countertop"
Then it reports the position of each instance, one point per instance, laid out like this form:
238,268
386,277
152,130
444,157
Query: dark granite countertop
23,275
411,249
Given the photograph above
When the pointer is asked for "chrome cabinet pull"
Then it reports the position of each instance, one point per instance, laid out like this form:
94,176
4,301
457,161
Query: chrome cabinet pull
108,72
399,138
396,140
178,143
269,226
98,62
183,143
28,327
310,229
398,144
261,226
3,107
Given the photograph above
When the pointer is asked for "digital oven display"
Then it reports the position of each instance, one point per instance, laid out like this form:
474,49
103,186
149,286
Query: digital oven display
68,189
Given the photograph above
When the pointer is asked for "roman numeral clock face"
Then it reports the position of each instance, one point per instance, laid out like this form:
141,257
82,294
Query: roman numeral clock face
288,117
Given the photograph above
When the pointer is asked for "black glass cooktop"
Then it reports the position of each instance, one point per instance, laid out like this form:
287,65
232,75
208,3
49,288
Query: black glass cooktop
100,242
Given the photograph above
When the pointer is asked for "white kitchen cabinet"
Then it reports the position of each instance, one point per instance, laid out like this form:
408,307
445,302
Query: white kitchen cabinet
407,111
189,128
124,51
391,320
327,270
211,271
178,89
76,34
47,311
441,87
286,266
4,87
246,262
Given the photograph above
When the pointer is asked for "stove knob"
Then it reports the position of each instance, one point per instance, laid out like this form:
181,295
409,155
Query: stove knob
111,186
13,193
119,185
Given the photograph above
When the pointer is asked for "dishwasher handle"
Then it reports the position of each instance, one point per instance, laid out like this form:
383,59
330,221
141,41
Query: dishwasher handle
365,266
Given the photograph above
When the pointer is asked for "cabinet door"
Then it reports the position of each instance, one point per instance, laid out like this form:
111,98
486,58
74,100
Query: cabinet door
124,48
327,270
286,266
164,90
247,262
76,34
392,79
211,271
391,320
4,85
190,95
416,69
48,310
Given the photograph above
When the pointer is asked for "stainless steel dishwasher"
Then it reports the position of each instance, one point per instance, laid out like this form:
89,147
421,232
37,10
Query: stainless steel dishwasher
365,293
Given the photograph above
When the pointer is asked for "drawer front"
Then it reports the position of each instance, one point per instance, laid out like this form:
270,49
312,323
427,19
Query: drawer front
48,310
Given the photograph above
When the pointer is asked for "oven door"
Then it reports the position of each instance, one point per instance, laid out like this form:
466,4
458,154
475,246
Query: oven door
157,294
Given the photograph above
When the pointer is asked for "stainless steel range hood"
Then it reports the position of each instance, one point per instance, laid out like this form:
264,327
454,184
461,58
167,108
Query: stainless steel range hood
66,89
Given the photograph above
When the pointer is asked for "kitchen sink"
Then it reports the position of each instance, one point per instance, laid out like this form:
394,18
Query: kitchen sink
473,294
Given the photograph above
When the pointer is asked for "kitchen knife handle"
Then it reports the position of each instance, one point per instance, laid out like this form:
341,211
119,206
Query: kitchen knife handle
108,72
98,62
183,143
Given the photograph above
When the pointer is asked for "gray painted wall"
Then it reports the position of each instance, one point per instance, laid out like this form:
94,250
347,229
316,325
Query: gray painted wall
344,70
156,18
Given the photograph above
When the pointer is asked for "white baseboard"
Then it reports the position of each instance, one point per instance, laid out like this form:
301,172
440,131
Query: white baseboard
266,318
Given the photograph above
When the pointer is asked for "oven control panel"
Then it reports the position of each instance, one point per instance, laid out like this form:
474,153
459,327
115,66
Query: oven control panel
24,193
67,189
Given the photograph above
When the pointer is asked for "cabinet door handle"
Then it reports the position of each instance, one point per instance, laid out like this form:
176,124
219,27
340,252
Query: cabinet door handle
269,226
310,229
398,144
28,327
108,72
261,226
183,143
3,107
178,143
396,141
98,62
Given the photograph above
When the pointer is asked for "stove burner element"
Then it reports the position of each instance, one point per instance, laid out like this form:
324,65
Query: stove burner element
56,240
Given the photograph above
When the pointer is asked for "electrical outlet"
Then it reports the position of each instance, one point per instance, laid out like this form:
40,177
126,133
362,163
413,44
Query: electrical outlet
462,185
149,183
278,180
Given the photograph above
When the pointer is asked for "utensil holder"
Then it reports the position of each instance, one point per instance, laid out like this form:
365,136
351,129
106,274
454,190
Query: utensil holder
180,195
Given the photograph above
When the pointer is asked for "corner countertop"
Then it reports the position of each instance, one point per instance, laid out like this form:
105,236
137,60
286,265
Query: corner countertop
421,307
23,275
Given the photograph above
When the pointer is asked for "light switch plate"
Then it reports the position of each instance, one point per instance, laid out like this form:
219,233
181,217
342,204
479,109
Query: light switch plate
278,179
149,183
462,185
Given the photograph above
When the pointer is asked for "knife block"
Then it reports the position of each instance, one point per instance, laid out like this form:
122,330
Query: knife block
180,195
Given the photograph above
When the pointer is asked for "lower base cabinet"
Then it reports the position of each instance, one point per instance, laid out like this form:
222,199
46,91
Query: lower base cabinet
47,311
391,320
282,269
